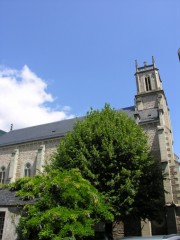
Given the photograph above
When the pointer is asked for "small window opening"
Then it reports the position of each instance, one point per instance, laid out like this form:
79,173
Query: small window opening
27,170
148,84
2,174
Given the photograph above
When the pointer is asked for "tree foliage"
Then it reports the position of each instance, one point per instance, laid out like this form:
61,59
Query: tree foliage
149,202
112,152
66,206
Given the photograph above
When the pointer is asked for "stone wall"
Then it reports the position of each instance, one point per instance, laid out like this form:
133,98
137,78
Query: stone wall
149,101
14,158
153,140
12,215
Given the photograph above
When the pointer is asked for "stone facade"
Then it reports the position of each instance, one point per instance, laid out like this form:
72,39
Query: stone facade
15,158
10,209
24,152
152,114
12,215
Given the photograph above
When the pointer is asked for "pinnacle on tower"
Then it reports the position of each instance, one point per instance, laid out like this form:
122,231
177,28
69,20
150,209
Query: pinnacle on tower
153,62
136,63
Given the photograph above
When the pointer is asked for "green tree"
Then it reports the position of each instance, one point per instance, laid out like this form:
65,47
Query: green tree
112,152
65,206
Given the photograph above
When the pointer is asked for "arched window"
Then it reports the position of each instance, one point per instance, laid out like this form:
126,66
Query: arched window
2,174
148,84
27,170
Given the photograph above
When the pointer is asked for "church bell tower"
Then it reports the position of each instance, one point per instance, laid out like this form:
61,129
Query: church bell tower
152,114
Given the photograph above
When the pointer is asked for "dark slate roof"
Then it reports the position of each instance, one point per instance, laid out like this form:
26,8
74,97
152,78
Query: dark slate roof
8,198
46,131
2,132
40,132
130,111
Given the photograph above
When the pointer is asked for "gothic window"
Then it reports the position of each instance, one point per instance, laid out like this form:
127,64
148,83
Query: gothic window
148,84
27,170
2,217
2,174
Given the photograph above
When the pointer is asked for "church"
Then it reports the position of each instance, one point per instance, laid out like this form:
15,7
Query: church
23,152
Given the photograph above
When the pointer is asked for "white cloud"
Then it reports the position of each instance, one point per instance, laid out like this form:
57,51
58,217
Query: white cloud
23,97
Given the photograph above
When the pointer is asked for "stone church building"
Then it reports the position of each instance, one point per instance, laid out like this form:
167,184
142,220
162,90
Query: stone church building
23,152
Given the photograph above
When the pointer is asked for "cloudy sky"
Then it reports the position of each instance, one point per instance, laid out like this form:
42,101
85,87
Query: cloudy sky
58,58
24,100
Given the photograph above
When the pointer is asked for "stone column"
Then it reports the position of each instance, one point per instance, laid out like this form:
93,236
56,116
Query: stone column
40,159
13,165
165,165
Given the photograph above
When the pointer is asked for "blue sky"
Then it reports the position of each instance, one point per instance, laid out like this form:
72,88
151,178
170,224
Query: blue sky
58,58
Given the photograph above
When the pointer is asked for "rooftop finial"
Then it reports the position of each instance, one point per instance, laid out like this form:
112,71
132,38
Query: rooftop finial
153,62
11,127
179,53
136,63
